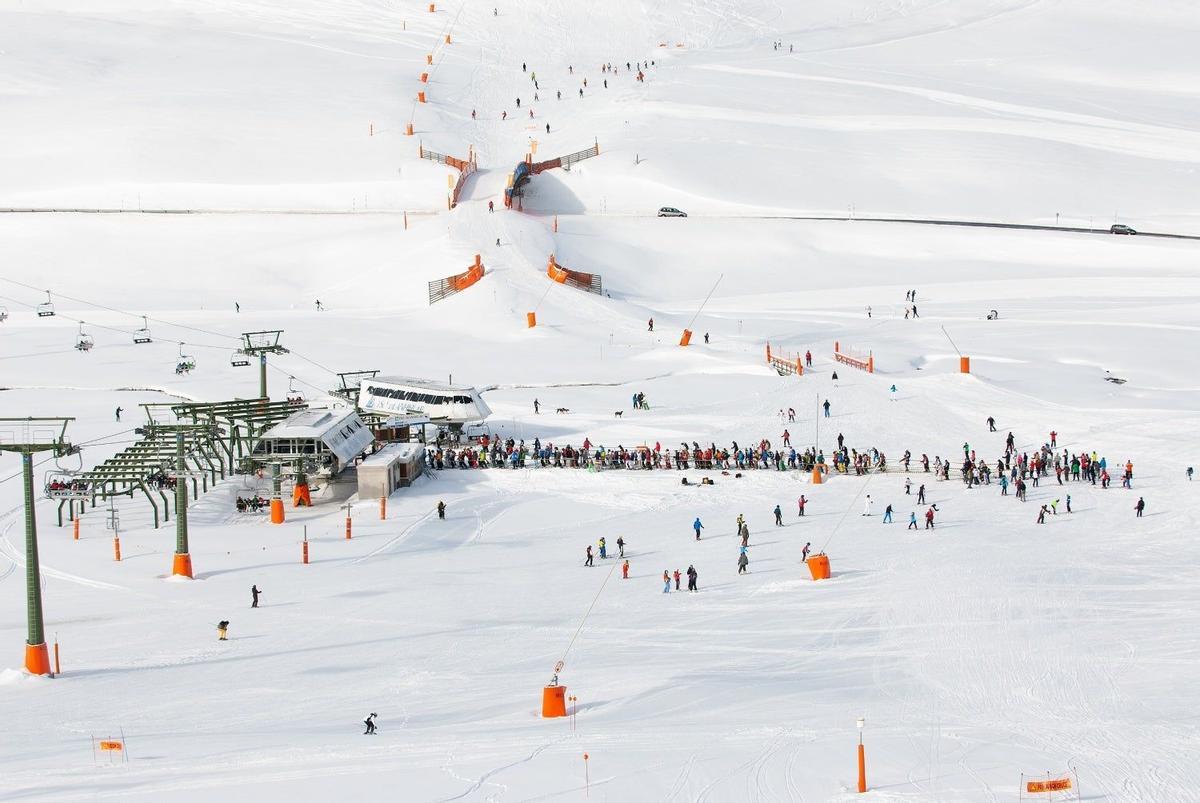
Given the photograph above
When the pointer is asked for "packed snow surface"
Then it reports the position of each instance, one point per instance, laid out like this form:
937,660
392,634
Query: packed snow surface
254,153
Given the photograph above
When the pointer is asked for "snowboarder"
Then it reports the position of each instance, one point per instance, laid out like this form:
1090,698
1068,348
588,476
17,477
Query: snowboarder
743,562
254,592
223,630
441,509
677,576
666,582
119,411
778,516
620,546
693,577
588,562
804,552
826,404
370,723
802,502
887,515
1140,506
697,526
625,570
867,504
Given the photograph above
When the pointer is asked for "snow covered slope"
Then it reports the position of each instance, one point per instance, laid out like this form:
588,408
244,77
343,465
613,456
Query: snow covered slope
989,647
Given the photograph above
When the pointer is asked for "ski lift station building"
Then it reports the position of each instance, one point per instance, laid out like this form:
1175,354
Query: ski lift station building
332,439
442,403
396,465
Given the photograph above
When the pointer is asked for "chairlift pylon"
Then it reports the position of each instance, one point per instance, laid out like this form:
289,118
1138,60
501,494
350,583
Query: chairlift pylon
239,359
186,364
84,341
142,335
46,308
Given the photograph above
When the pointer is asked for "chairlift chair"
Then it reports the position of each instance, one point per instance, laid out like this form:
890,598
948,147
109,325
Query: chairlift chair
186,364
239,359
993,315
142,335
85,341
294,396
66,485
46,308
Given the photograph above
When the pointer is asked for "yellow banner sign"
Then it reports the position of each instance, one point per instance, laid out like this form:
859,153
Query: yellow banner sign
112,745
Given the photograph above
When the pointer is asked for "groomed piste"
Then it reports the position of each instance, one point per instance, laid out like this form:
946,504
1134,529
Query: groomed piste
820,432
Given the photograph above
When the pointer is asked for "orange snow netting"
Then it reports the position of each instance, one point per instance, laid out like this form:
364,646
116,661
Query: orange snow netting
867,364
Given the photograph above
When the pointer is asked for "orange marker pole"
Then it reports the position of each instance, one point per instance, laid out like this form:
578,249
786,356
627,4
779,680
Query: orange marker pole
57,665
587,783
77,529
347,528
406,221
862,768
304,551
383,508
116,547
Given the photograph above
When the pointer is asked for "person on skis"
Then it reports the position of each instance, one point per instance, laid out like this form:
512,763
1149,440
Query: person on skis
826,404
697,526
666,582
370,723
1140,506
620,547
804,552
223,630
887,515
588,562
693,577
625,570
912,520
867,505
802,502
743,562
603,549
254,592
441,509
677,577
778,516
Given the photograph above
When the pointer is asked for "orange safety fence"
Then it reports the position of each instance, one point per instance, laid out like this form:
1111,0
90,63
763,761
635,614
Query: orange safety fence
590,282
465,167
785,363
867,365
444,288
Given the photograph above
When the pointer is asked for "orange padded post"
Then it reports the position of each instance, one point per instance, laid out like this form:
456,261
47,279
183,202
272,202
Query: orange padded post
447,38
687,337
182,565
799,366
871,364
37,659
57,663
862,769
817,476
429,58
530,319
116,547
768,353
554,701
301,496
304,552
383,508
348,528
76,529
818,566
408,130
420,97
424,77
277,511
964,366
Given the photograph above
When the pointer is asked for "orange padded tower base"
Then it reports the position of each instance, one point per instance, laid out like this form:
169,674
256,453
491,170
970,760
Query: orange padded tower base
182,566
818,567
554,701
37,659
